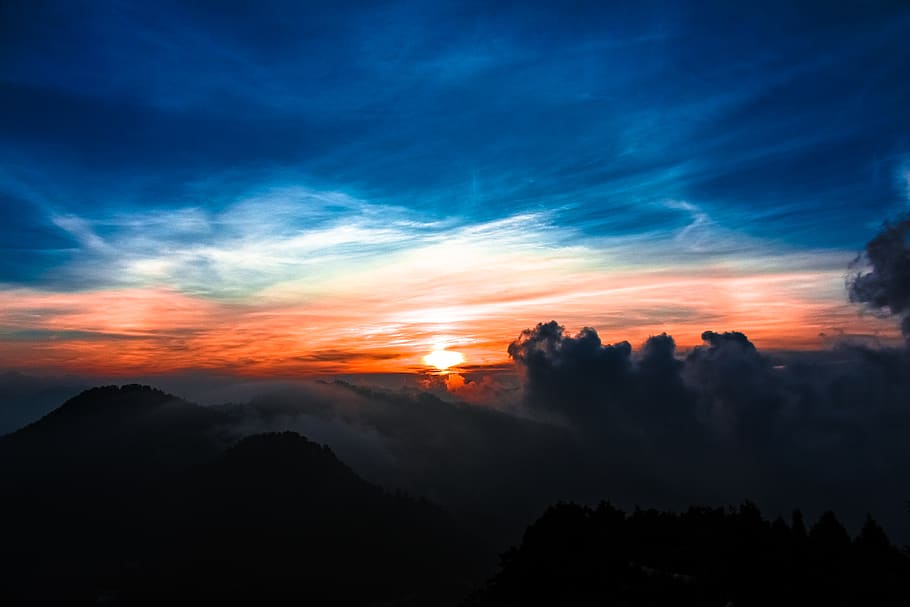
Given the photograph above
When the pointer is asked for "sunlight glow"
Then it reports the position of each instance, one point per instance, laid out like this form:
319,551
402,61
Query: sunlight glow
443,359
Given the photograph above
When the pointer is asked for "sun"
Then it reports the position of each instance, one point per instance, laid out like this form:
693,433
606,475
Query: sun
443,359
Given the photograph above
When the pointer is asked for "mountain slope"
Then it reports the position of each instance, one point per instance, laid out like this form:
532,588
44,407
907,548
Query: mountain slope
128,495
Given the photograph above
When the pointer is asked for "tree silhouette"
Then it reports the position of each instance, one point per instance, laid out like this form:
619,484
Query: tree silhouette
704,556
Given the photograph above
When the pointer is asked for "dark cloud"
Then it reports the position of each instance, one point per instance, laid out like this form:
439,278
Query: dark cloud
885,288
578,378
344,356
727,422
571,376
732,384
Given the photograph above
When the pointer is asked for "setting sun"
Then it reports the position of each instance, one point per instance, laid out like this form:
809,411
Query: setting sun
443,359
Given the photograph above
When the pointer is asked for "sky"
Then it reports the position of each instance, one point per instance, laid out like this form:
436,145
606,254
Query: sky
275,189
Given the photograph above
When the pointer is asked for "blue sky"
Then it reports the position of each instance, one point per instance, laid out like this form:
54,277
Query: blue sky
229,151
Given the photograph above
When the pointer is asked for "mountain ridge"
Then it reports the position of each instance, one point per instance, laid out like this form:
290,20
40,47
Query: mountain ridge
125,489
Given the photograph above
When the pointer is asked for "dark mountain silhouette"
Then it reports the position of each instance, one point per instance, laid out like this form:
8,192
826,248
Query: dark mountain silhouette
132,496
141,424
575,555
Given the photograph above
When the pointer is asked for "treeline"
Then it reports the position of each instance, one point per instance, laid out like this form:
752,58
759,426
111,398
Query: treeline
575,555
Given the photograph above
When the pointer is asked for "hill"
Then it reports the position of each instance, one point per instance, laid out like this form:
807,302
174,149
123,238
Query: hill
132,496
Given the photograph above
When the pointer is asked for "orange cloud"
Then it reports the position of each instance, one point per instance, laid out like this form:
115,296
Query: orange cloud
366,328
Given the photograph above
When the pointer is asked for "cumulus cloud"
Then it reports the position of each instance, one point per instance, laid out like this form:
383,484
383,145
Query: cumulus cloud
731,382
885,287
726,421
572,376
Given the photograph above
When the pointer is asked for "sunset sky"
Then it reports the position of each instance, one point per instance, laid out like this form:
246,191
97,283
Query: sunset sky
293,191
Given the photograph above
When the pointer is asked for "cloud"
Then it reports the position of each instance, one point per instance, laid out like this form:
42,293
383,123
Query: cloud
575,376
229,288
732,385
885,288
725,421
482,388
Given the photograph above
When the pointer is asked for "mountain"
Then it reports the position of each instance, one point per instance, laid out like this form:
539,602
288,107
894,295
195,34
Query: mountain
135,421
131,496
128,495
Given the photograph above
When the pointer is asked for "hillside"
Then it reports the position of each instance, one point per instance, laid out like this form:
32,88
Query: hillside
132,496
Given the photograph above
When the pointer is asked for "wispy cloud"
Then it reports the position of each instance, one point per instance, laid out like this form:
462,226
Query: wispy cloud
398,173
280,283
